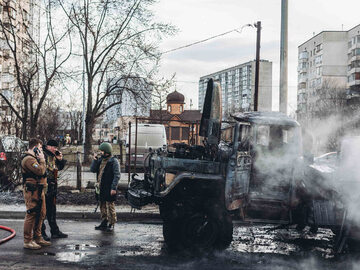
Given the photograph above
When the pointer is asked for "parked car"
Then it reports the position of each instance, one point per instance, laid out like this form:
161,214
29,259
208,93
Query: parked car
11,151
148,136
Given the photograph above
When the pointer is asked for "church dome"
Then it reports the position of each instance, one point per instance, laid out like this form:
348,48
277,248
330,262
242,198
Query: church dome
175,98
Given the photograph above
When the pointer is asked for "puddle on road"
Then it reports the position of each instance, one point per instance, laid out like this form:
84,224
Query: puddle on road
72,256
46,253
81,247
77,252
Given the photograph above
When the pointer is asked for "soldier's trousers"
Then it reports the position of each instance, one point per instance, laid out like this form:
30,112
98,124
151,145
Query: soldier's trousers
34,220
107,210
51,214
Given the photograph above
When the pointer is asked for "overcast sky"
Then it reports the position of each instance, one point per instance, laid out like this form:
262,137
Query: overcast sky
201,19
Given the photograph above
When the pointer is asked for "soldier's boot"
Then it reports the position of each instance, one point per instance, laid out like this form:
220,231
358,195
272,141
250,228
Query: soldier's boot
59,234
42,242
44,236
103,225
110,228
31,245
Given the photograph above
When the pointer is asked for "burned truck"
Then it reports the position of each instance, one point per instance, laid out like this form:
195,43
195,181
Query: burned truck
256,175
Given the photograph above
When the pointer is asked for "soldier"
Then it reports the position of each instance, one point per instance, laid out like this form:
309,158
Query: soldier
107,169
34,179
54,163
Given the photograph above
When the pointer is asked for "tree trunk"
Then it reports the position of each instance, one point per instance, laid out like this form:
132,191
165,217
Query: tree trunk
24,130
32,133
89,126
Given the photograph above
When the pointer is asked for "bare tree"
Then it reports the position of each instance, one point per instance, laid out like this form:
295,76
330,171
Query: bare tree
36,66
160,91
326,114
118,39
51,121
75,124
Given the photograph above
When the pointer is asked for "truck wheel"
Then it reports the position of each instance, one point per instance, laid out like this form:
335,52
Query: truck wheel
225,225
199,231
226,233
211,228
171,234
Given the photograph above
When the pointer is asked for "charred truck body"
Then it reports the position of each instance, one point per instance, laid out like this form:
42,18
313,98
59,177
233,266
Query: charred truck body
258,174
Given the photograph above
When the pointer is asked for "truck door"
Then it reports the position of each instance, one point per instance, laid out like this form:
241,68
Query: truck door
239,168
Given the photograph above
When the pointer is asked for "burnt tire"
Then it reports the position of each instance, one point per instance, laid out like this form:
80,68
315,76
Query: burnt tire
171,235
210,228
199,231
225,235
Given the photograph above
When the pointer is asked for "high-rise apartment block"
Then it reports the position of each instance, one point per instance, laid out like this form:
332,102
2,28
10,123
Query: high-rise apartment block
329,59
23,16
238,84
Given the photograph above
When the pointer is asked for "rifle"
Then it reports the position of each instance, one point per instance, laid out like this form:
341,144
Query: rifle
97,206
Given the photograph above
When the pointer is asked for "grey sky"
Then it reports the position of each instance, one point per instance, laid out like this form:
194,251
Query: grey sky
200,19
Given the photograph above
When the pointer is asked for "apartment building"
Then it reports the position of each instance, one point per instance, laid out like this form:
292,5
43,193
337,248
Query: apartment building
329,59
23,16
238,86
353,54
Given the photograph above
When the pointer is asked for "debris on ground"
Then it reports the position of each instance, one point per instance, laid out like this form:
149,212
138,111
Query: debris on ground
65,196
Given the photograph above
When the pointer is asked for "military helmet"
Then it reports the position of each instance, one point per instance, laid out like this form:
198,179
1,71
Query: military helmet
106,147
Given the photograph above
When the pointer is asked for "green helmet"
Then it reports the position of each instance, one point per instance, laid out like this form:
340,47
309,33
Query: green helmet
106,147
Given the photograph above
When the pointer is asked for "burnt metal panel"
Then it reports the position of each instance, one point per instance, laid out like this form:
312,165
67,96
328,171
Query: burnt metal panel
189,165
210,125
266,118
324,213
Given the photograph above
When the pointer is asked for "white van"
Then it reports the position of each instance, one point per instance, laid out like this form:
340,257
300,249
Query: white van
148,136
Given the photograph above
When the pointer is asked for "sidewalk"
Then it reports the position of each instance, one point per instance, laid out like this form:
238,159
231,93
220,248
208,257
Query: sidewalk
124,212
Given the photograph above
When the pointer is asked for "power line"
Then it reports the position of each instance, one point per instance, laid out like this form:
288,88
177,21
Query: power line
238,30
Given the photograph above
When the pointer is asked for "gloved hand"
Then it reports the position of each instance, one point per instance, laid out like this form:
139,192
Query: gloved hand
97,191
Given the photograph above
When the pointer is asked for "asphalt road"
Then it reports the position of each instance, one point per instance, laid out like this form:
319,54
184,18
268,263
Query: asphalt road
140,246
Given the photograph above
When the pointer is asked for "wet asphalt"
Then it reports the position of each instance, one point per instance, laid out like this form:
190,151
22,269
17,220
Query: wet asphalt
141,246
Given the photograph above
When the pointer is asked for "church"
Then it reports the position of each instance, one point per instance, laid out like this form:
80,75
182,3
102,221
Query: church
182,126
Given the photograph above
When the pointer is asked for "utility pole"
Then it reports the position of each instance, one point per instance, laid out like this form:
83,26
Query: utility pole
284,58
257,65
83,110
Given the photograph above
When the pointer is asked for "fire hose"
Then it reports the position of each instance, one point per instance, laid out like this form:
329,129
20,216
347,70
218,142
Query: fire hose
12,231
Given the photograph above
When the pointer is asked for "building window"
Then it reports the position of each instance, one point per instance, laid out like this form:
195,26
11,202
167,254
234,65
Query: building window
181,108
175,133
169,108
185,131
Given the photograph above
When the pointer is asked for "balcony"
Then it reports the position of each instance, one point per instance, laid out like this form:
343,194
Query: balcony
302,68
304,55
353,70
301,91
302,79
354,83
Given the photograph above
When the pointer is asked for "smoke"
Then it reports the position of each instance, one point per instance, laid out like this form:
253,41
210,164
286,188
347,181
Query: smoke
341,172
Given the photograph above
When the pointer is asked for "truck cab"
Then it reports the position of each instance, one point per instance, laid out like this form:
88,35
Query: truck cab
262,168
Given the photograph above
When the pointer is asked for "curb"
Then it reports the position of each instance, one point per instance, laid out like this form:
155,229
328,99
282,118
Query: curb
123,216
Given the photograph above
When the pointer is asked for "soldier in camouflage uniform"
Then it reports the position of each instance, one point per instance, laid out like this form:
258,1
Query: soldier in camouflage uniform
34,180
107,169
